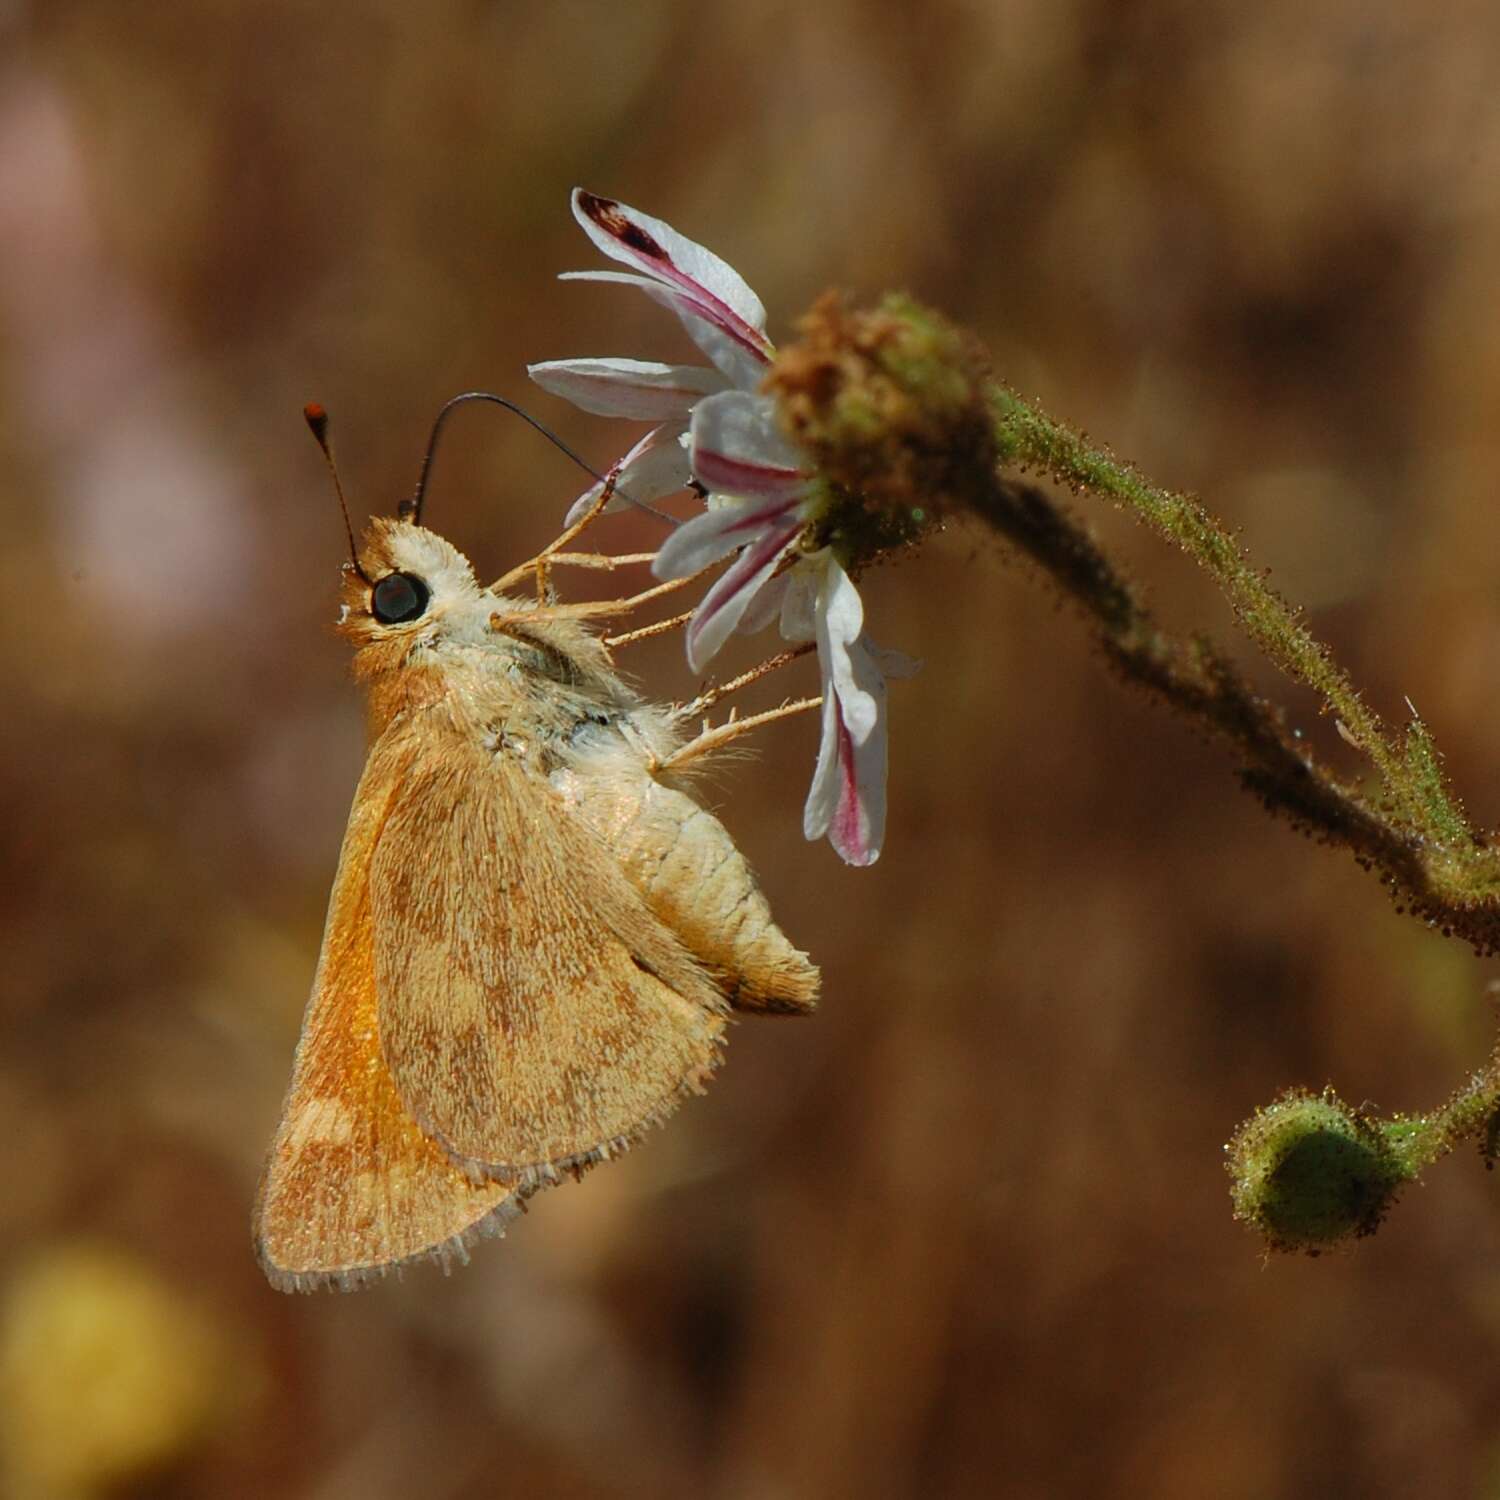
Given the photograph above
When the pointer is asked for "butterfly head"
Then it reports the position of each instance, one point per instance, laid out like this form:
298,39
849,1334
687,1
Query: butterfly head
410,587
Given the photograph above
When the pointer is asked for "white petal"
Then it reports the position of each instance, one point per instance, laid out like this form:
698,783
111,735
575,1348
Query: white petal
655,467
737,449
724,605
650,245
839,603
822,795
716,533
742,363
839,619
619,278
641,389
847,797
580,507
799,607
743,425
740,353
765,606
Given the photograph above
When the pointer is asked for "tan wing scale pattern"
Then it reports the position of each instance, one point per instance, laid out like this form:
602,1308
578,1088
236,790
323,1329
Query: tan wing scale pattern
353,1187
541,1017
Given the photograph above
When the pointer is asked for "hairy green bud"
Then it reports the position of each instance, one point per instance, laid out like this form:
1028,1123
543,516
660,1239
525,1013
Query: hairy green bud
1308,1171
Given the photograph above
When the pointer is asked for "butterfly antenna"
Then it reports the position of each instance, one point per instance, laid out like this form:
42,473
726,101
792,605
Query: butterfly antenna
411,510
317,420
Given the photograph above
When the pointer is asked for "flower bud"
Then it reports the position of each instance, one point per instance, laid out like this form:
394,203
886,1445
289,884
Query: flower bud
1308,1171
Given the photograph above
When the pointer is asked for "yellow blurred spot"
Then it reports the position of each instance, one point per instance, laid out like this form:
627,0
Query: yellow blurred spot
105,1373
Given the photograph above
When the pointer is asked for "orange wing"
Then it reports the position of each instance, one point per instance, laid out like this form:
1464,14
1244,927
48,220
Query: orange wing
353,1187
535,1014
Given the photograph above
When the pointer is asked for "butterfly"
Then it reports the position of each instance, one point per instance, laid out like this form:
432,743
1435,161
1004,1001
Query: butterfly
536,933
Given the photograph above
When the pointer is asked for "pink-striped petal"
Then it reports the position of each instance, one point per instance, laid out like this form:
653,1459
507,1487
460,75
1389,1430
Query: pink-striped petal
742,365
738,450
765,606
839,620
701,542
847,799
641,389
741,355
724,605
653,246
657,466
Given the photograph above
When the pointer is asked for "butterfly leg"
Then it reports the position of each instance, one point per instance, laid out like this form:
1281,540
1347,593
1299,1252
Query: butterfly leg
711,738
711,695
661,627
539,563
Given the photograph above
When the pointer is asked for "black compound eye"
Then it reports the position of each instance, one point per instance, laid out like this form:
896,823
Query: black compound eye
398,597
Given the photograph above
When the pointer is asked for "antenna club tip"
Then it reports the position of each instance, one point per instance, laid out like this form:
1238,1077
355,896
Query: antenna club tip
316,418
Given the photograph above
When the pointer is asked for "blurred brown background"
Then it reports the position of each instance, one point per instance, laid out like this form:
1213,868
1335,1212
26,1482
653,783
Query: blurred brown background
966,1233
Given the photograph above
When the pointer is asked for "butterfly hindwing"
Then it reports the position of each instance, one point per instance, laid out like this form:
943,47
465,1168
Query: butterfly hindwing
533,1012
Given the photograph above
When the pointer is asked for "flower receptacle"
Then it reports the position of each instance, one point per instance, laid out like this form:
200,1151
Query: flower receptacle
890,405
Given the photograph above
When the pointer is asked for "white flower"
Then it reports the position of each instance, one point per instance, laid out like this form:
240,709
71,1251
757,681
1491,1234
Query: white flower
721,314
716,429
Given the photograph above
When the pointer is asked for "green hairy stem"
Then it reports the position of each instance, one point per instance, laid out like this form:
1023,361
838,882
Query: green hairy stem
902,419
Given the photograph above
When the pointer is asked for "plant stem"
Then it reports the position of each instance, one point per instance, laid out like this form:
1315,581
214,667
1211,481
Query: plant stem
1029,437
1474,1111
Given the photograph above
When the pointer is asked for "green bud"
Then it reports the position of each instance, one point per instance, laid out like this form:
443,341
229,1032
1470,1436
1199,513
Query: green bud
1308,1171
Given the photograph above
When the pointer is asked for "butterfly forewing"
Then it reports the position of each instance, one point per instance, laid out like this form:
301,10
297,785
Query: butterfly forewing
353,1186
